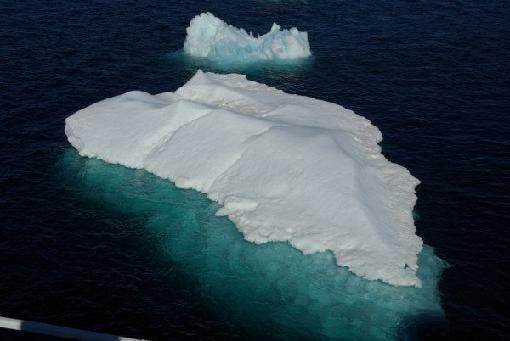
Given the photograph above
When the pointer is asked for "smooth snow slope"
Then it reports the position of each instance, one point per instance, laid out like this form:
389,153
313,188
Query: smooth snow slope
210,37
285,167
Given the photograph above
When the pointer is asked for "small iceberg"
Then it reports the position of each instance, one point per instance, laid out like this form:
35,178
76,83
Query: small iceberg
284,167
210,37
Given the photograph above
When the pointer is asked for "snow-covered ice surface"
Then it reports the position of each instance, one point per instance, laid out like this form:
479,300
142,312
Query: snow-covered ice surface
284,167
212,38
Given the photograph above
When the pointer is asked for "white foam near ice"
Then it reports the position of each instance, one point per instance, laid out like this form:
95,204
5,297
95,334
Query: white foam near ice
284,167
212,38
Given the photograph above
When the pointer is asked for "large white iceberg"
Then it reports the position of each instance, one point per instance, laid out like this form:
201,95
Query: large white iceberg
284,167
212,38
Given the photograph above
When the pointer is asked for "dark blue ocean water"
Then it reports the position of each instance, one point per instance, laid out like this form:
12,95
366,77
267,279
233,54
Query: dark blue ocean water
432,75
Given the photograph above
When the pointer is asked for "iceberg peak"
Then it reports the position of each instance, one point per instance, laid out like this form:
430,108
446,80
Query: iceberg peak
210,37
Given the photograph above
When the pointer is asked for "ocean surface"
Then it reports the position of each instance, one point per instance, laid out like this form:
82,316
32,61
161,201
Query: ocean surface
101,247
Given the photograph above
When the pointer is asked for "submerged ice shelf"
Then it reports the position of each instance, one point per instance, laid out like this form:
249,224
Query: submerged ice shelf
284,167
266,289
212,38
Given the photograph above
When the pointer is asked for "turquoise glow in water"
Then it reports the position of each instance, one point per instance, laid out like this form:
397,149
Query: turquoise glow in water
269,289
284,67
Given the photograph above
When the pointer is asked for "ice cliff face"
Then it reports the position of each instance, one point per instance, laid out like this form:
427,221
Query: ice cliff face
284,167
212,38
